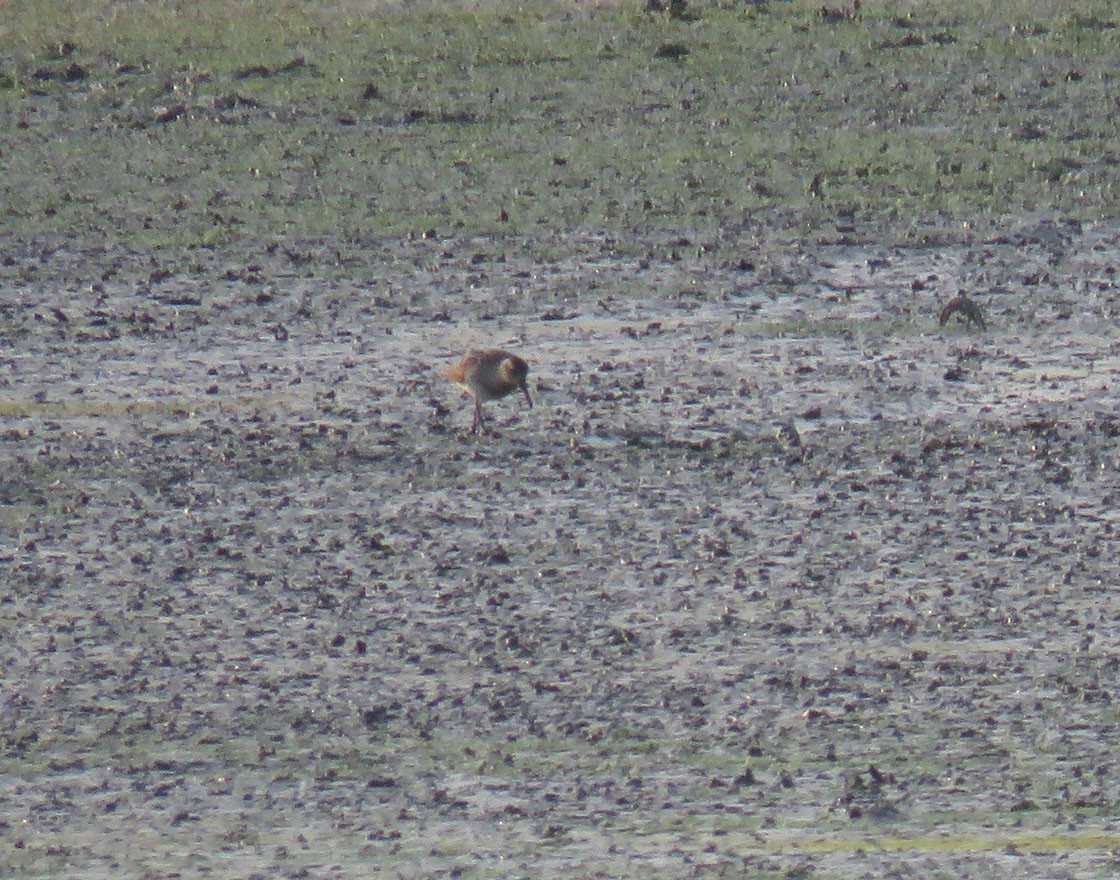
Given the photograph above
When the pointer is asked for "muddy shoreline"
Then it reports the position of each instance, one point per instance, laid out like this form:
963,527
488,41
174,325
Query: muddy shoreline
270,610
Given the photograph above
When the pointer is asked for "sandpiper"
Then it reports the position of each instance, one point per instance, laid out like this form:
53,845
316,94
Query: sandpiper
965,309
488,374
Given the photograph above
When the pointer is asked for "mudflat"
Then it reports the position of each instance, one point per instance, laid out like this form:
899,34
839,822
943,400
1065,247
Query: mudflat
778,578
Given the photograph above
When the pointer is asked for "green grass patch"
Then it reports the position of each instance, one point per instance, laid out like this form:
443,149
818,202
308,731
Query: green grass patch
188,126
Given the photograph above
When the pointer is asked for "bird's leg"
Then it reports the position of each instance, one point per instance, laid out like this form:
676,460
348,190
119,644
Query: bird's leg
477,423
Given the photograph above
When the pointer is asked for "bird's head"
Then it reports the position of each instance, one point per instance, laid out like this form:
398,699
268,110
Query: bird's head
515,371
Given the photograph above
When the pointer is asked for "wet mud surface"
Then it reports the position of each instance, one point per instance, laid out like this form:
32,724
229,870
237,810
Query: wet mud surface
778,578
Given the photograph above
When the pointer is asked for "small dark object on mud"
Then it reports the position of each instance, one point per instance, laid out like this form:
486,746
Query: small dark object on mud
677,9
816,187
380,714
259,70
253,70
170,114
671,50
497,555
966,309
833,15
789,439
488,374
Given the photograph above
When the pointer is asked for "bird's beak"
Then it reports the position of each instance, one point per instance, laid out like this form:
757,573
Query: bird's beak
528,399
